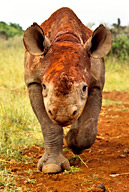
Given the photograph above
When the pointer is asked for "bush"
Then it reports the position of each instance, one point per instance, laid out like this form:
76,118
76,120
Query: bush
120,47
10,30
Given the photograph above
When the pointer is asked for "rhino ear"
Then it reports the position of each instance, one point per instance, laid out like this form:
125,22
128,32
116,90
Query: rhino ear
100,43
35,41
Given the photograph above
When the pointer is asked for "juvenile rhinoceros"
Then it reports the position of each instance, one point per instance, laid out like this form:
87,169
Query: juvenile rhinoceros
64,73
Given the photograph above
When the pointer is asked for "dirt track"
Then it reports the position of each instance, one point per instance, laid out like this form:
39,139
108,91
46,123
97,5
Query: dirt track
107,160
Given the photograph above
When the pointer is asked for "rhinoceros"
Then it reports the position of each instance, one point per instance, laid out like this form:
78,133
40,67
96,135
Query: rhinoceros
65,74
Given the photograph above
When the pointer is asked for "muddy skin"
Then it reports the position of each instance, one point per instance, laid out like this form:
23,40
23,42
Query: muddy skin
64,73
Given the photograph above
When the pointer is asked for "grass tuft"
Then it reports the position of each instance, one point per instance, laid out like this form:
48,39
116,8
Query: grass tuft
117,72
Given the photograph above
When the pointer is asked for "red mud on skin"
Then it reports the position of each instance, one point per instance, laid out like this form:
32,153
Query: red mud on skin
109,155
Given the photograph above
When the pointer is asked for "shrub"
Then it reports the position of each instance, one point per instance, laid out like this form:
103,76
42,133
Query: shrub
10,30
120,47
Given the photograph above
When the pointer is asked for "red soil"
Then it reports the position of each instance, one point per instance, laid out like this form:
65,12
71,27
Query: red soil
108,157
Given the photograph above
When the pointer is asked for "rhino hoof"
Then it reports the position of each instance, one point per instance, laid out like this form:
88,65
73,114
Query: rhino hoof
54,165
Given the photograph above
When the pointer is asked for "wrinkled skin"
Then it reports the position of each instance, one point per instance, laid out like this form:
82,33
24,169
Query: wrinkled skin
64,73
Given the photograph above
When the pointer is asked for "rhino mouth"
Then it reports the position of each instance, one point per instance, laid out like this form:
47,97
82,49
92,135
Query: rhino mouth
63,124
65,120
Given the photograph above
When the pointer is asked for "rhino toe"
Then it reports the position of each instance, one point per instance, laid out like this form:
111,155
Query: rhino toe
51,168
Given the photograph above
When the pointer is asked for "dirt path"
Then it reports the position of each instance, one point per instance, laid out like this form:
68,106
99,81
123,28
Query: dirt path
106,162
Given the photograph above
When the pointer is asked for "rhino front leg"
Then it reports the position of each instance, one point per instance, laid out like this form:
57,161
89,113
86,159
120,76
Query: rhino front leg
53,160
83,132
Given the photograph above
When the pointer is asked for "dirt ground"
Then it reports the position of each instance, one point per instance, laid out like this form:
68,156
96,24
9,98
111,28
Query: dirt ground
103,167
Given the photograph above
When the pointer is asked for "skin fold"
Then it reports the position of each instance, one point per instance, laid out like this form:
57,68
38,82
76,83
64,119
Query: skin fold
65,74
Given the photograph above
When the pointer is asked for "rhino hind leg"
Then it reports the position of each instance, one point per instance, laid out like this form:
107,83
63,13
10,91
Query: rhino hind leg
53,160
83,132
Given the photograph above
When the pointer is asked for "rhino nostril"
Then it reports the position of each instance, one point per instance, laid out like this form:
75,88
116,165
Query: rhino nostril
74,113
49,111
52,112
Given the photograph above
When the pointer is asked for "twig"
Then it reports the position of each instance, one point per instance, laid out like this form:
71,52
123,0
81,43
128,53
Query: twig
80,159
118,174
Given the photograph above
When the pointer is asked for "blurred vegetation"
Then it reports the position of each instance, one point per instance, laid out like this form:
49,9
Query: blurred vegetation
117,73
10,30
18,125
120,47
120,35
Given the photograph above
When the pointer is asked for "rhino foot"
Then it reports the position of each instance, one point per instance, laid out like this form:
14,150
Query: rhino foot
82,138
70,141
53,164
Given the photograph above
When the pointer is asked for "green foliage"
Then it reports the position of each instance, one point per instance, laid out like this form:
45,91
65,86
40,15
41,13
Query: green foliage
10,30
120,47
72,170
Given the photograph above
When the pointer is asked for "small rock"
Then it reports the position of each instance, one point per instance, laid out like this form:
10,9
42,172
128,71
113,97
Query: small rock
101,186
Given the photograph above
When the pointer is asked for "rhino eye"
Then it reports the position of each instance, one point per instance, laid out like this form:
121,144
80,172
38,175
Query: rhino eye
44,86
84,88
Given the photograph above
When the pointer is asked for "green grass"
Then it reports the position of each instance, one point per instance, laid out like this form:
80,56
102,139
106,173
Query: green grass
11,63
109,102
72,170
18,125
117,74
7,182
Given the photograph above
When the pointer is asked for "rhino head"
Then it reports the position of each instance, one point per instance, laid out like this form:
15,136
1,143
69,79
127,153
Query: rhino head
66,72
